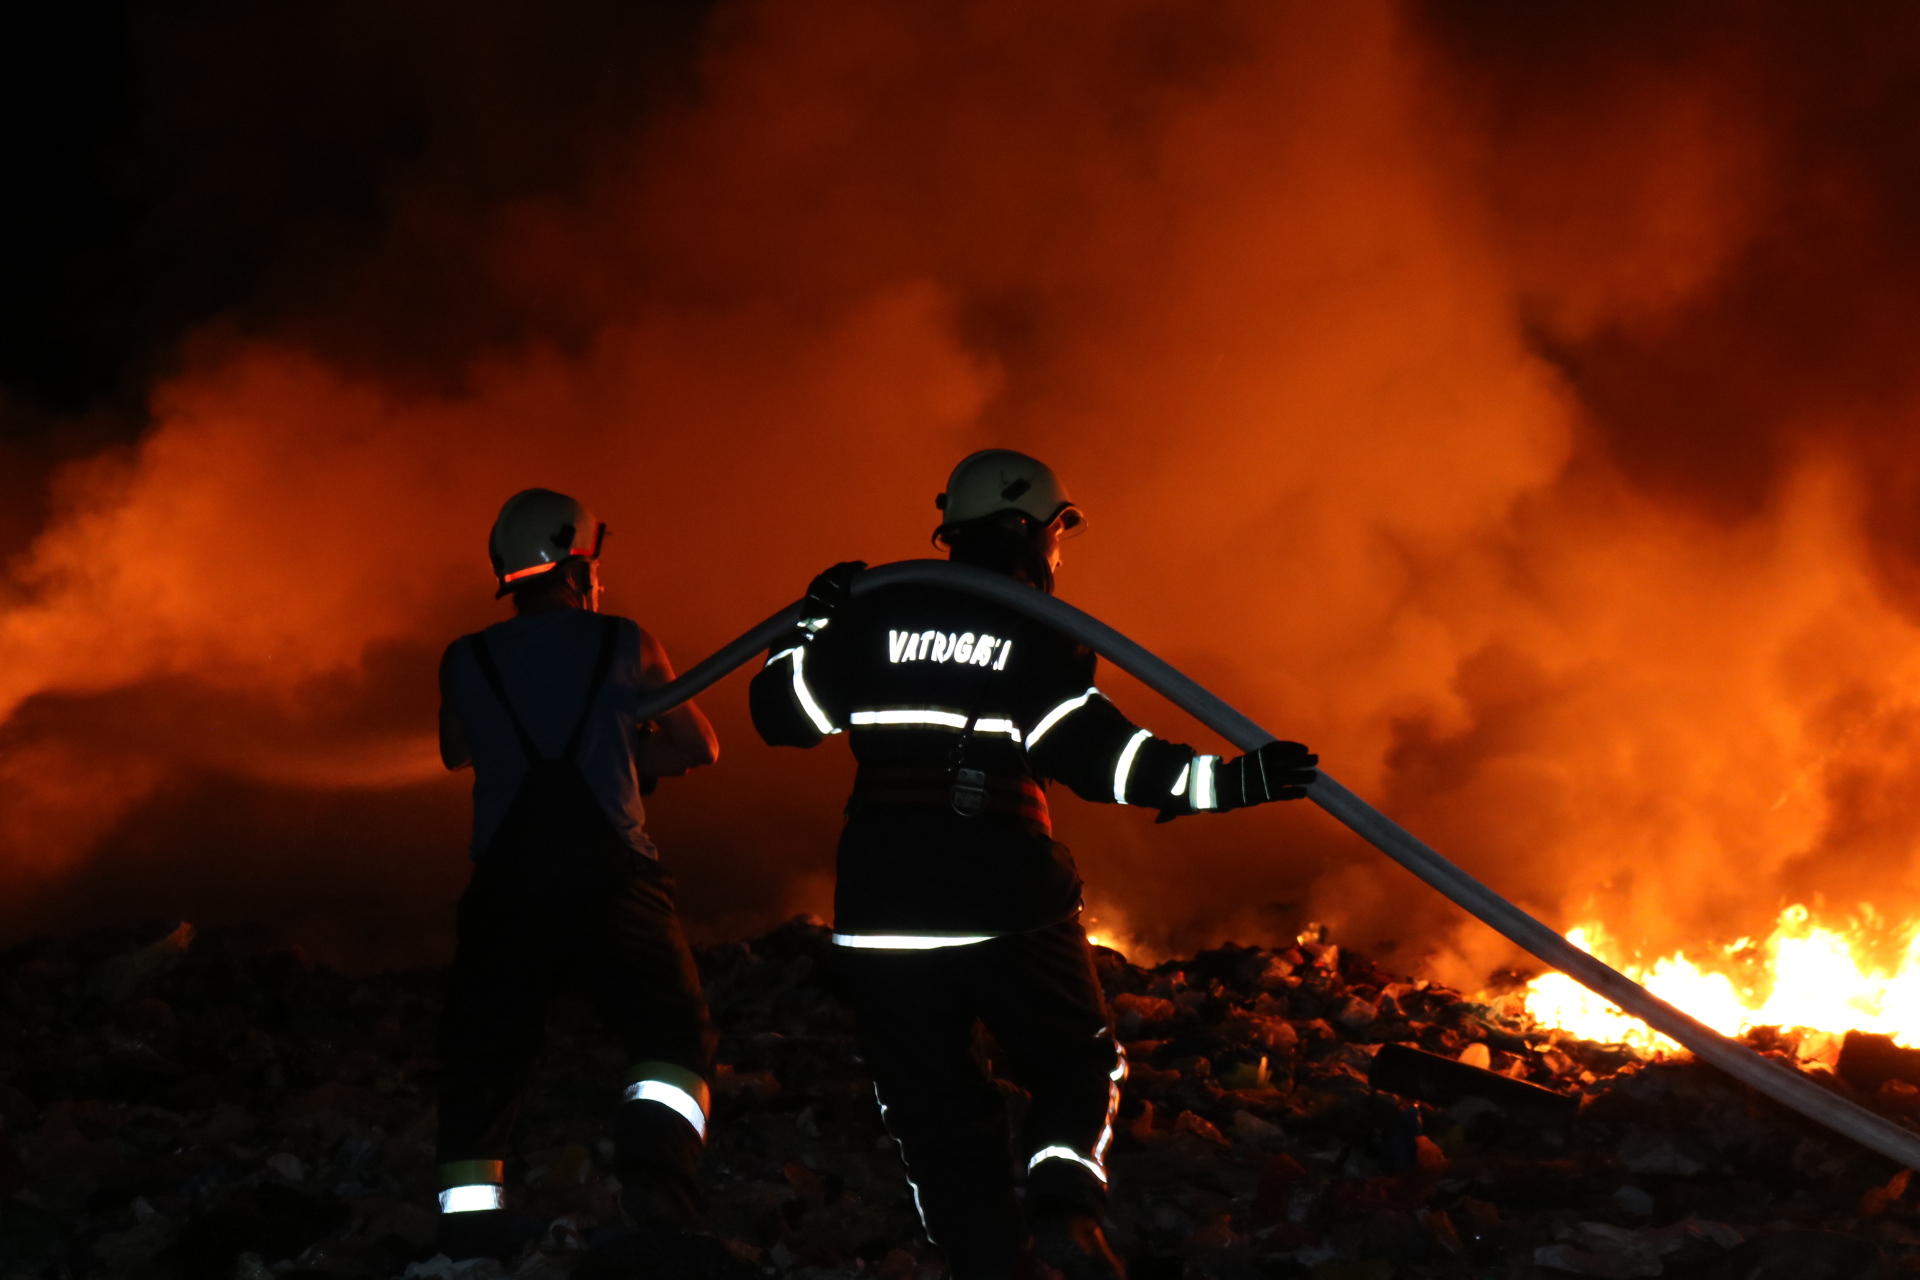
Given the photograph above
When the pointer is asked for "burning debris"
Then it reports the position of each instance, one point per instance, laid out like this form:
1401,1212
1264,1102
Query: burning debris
179,1111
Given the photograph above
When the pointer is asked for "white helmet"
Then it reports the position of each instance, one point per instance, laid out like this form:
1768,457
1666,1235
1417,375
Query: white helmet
1002,480
538,530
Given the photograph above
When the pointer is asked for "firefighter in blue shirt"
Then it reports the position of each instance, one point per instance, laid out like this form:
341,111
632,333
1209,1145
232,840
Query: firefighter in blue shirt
953,903
566,889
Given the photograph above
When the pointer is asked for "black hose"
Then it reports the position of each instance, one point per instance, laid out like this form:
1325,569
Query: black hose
1785,1086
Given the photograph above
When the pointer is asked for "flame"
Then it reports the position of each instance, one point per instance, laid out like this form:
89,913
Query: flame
1112,928
1805,975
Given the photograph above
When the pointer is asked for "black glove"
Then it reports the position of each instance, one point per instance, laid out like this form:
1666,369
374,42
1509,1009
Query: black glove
1277,771
827,593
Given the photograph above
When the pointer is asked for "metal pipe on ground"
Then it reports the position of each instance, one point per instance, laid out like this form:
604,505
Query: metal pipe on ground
1789,1088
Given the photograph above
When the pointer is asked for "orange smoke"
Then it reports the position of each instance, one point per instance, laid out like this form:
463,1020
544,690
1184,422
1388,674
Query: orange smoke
1362,339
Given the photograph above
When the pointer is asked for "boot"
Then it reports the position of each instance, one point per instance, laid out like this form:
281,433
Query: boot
482,1234
1069,1239
657,1206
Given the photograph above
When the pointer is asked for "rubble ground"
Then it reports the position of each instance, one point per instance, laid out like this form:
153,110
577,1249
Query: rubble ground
176,1110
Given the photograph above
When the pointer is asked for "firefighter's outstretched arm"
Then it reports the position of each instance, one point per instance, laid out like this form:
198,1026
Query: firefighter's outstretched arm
683,738
1086,743
784,697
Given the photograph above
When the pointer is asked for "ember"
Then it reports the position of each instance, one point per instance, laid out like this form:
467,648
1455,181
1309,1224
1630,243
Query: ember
205,1114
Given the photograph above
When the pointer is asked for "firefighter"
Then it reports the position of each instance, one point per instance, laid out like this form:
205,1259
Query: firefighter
566,888
954,904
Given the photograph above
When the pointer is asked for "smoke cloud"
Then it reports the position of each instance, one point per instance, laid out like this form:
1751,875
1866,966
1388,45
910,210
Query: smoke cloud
1510,404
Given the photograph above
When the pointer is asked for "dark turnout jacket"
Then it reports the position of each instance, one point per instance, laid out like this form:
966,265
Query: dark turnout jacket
906,673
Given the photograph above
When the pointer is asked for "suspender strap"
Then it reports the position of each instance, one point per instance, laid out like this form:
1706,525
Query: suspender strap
602,664
484,657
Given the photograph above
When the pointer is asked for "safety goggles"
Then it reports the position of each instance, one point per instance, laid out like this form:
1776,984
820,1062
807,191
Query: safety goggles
1069,522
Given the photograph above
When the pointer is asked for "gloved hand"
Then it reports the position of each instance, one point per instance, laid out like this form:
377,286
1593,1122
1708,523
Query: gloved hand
1277,771
827,593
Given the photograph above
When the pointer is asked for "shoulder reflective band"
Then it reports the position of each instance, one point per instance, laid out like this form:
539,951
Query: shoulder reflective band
1124,767
908,941
1059,713
1201,796
674,1098
804,695
1068,1153
475,1197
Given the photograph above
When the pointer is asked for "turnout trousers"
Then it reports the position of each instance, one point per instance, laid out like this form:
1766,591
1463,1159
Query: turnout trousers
592,913
1038,994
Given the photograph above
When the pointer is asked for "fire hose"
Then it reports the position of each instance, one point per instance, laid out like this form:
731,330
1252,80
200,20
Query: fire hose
1785,1086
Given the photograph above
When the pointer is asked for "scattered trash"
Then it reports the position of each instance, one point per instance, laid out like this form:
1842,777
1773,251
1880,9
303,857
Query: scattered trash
1868,1061
173,1111
1428,1077
287,1165
119,977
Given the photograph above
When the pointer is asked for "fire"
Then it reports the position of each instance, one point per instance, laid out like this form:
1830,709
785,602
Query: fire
1805,975
1112,929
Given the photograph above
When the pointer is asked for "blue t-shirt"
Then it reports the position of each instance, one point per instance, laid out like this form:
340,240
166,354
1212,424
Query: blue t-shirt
546,663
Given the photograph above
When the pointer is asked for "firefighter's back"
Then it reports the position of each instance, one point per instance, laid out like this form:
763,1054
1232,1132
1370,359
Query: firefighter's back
546,663
907,670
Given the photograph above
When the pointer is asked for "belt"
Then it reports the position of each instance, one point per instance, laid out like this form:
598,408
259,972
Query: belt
1013,795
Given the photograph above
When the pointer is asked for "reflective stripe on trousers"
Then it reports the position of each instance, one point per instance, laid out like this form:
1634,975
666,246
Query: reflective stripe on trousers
909,941
474,1197
676,1088
1096,1161
471,1186
905,1165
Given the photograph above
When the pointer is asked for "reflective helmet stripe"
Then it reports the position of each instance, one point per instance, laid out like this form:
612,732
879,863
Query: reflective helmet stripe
529,571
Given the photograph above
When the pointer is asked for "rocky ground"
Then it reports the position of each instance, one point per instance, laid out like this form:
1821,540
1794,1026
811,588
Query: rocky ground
172,1110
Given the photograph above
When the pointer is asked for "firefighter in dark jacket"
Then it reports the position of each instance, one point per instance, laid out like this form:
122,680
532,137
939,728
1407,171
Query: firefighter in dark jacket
954,903
566,888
